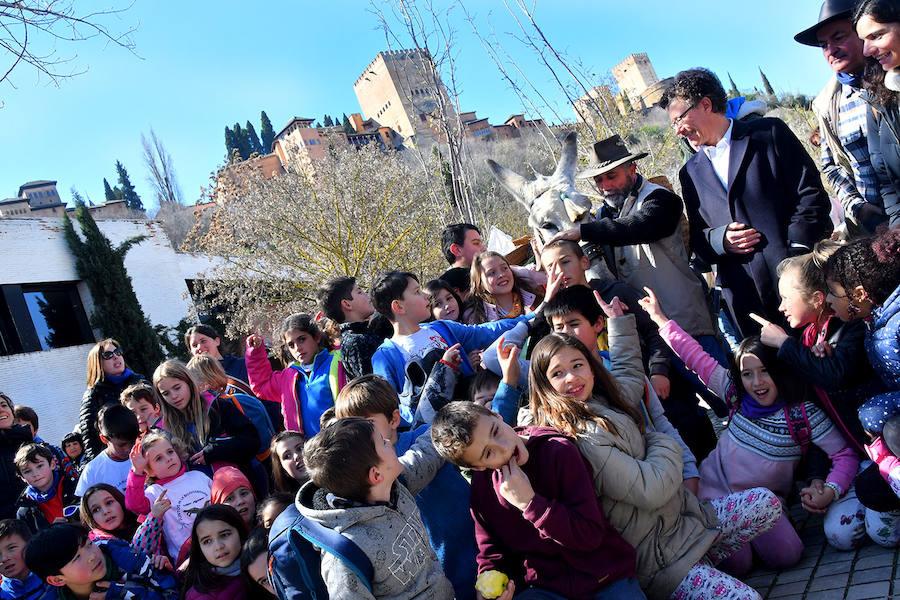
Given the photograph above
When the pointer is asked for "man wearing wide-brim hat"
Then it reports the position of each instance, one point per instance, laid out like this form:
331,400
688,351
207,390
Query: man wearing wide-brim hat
642,223
844,117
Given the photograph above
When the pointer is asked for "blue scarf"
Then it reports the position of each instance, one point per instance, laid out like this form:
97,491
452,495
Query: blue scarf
752,409
854,81
120,379
41,497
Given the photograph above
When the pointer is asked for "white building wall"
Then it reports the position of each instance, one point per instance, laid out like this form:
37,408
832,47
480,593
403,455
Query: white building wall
35,251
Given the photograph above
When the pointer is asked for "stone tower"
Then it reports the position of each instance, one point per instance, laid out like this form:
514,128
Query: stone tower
397,90
634,75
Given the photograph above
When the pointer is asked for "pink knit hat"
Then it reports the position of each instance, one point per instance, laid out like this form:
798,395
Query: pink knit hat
225,481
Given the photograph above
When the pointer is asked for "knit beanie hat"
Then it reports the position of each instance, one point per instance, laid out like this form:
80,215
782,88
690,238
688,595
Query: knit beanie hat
225,481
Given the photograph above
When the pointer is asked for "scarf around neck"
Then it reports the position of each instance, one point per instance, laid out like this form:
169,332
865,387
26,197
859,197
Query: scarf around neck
853,80
892,80
41,497
752,409
118,379
232,570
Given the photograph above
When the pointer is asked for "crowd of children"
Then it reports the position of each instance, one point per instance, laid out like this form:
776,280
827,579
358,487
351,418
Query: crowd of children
506,434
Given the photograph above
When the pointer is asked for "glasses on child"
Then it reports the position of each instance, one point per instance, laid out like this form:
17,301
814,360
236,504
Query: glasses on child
108,354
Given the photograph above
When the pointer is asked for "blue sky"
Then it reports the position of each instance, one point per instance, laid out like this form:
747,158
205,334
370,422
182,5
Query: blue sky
209,64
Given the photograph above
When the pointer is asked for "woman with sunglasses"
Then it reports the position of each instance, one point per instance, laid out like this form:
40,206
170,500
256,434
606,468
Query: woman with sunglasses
107,376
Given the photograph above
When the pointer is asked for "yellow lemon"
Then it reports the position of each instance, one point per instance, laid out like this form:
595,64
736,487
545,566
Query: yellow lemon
491,584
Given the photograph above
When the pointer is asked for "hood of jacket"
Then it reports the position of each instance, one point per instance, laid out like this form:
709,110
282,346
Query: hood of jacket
887,311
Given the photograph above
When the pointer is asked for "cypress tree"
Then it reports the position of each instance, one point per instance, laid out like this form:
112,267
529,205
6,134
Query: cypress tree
766,85
348,128
230,144
131,198
266,133
327,121
253,140
733,91
109,192
117,312
241,141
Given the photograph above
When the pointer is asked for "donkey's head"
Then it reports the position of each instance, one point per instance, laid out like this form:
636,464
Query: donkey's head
552,202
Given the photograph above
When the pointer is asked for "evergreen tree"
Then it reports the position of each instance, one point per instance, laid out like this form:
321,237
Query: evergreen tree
733,92
327,120
230,143
117,312
241,141
348,128
110,193
253,140
131,198
766,85
266,133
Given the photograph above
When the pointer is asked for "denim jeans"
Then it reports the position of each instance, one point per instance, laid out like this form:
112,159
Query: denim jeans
623,589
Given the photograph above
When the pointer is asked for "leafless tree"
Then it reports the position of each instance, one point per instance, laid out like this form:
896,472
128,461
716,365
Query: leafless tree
161,170
32,30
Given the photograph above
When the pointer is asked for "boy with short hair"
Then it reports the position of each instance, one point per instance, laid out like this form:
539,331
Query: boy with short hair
353,489
64,556
398,296
537,517
25,415
17,581
118,430
341,300
443,503
143,402
49,490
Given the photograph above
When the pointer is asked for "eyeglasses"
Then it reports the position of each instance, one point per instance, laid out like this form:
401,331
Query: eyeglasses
677,120
108,354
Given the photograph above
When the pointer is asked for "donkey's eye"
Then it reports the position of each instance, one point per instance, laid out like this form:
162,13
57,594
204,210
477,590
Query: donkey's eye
547,225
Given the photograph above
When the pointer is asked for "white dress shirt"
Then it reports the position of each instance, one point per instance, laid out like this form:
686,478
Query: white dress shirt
719,155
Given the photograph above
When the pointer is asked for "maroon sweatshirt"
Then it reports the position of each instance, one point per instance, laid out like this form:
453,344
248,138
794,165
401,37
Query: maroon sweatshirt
562,542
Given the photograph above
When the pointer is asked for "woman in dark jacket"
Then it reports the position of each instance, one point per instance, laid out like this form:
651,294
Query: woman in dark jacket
107,376
873,20
11,437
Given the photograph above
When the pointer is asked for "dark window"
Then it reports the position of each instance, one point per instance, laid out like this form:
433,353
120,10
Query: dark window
42,316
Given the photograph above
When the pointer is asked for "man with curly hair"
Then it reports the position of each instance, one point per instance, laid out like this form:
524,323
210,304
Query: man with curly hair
753,194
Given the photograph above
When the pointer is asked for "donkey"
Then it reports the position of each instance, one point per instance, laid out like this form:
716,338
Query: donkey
553,203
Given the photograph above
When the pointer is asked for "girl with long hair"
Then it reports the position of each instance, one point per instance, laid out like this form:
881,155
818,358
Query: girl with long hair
496,291
214,571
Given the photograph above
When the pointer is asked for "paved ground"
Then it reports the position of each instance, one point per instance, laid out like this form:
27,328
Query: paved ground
828,574
824,573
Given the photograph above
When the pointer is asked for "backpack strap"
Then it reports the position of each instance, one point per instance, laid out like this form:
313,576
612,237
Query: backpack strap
337,377
334,543
798,424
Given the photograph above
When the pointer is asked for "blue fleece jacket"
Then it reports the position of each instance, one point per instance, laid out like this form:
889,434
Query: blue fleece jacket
33,588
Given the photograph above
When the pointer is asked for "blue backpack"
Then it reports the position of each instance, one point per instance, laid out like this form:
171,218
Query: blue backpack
295,561
252,408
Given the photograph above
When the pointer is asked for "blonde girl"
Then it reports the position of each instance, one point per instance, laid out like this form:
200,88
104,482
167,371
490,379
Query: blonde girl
158,462
496,291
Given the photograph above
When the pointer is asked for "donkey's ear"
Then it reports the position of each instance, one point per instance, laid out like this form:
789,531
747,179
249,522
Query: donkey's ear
568,160
514,183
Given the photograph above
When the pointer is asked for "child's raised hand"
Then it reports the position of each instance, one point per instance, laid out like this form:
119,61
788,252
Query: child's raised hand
255,341
615,308
452,357
160,505
138,462
771,334
101,588
650,304
554,282
515,486
508,355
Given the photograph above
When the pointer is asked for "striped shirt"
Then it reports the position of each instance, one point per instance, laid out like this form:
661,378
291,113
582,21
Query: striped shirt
862,185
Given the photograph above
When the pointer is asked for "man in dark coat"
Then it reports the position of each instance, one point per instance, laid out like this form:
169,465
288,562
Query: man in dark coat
752,193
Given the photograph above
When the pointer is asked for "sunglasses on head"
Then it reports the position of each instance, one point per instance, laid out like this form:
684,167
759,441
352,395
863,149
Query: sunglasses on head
108,354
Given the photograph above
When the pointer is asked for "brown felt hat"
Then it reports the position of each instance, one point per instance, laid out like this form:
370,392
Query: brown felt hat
608,154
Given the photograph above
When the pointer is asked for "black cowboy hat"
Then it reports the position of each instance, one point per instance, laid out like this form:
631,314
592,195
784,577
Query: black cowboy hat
608,154
831,10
